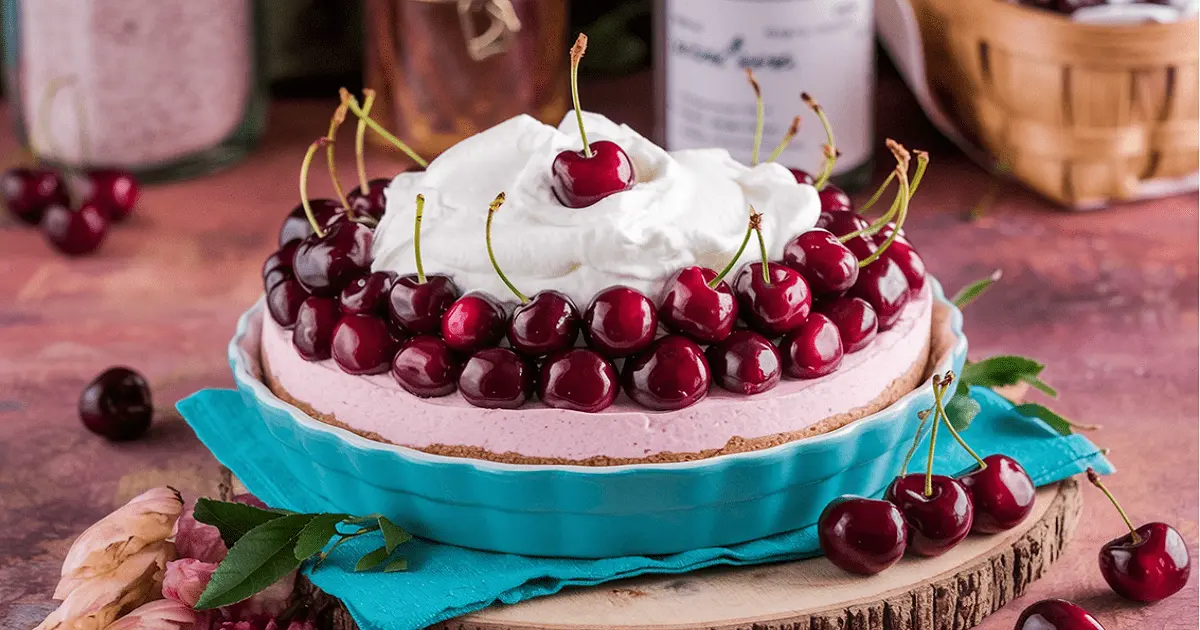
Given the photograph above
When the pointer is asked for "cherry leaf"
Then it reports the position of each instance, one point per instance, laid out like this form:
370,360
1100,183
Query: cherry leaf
399,564
317,534
233,520
1045,414
961,409
969,293
1002,370
371,560
393,535
262,556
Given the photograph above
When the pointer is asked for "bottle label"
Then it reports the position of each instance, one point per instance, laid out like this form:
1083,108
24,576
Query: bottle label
823,47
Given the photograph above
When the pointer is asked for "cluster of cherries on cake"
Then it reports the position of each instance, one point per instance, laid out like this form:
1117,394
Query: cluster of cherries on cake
835,288
42,197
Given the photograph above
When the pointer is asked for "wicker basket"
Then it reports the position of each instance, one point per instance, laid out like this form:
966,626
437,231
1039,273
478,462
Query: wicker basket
1082,113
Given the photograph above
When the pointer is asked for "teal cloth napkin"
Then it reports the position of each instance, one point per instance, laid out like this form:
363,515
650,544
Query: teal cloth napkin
445,581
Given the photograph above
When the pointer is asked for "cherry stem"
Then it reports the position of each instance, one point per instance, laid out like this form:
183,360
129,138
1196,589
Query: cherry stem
339,117
792,130
878,193
417,237
831,152
352,103
756,223
712,284
759,114
932,444
879,223
903,195
576,54
941,409
304,166
492,208
912,450
1095,479
359,136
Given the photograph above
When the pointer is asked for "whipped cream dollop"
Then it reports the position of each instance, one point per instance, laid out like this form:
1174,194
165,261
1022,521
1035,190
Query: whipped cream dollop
687,208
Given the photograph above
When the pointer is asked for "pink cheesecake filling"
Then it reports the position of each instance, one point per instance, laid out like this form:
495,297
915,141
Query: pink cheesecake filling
377,404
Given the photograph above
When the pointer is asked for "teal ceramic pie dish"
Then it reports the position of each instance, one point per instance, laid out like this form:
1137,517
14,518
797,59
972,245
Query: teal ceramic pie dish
589,512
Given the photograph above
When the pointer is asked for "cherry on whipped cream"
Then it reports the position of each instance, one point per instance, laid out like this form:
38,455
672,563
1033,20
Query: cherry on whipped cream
581,178
834,199
772,298
842,223
547,322
325,263
672,374
620,322
745,363
362,344
296,226
812,350
855,320
371,203
578,379
367,294
313,332
497,378
75,232
418,301
829,266
426,367
473,322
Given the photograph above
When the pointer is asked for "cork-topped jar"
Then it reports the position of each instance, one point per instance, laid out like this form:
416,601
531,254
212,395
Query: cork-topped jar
446,69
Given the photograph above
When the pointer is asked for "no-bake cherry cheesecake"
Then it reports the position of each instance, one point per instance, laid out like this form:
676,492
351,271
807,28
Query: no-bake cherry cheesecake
533,297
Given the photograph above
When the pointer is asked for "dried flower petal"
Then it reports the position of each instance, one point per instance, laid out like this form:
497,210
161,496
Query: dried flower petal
94,603
273,600
186,579
162,614
147,519
197,540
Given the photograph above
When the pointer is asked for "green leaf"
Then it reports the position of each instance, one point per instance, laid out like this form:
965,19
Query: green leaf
1045,414
399,564
969,293
393,535
1001,370
1041,386
232,519
961,409
372,560
317,534
258,559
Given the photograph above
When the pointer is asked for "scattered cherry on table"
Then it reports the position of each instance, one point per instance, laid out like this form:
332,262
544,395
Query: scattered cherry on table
75,232
1056,614
117,405
937,521
860,535
1002,494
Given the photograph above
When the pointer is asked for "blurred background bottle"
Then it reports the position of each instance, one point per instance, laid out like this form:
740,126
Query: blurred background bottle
823,47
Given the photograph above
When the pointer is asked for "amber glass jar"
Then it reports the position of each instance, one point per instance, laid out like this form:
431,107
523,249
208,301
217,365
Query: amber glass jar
446,69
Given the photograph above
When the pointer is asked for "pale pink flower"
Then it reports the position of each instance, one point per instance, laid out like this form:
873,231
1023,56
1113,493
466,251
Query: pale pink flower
186,579
147,519
94,603
197,540
162,614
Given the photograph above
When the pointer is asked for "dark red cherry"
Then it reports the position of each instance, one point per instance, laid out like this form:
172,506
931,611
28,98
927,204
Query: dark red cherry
886,231
29,191
691,307
671,374
1056,614
473,322
418,306
114,191
296,226
362,344
774,308
284,300
812,350
496,378
843,223
547,323
1002,494
829,266
1147,564
580,181
116,405
315,322
373,203
578,379
278,266
883,285
367,294
938,522
833,199
863,536
745,363
802,177
910,263
855,320
620,322
75,232
325,264
426,367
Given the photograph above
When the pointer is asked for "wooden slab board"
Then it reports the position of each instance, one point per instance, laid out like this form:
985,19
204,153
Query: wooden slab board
956,590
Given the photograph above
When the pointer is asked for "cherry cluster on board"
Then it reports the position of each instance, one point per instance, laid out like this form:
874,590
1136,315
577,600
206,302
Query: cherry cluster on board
43,196
834,289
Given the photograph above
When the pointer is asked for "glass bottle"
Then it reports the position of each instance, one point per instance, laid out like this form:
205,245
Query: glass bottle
823,47
163,88
446,69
